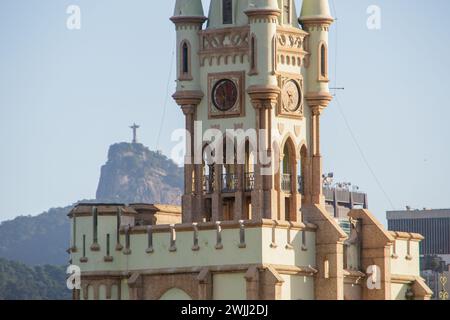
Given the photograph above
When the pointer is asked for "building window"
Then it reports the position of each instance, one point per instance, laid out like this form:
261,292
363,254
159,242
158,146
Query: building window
227,11
185,61
274,54
253,56
185,58
286,11
323,63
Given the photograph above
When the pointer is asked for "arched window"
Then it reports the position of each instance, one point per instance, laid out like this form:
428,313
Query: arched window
323,66
302,170
286,11
227,11
185,61
175,294
286,168
253,58
274,54
185,55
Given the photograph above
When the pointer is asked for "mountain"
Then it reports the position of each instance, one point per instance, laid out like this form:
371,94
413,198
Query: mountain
42,239
19,282
132,173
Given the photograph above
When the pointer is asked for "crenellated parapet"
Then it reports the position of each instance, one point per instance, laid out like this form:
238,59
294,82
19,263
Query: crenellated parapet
286,248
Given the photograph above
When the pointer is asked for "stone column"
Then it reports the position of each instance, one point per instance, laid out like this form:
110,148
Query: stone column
264,204
216,197
199,198
204,279
188,101
239,194
252,283
317,102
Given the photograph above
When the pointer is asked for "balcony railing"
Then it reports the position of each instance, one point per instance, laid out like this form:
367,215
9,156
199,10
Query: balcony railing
249,180
300,186
286,184
208,184
229,182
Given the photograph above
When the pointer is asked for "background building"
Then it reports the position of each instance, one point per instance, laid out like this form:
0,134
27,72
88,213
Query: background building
434,225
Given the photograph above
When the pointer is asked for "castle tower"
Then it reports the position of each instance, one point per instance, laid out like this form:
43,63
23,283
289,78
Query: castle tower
316,19
188,18
253,222
252,68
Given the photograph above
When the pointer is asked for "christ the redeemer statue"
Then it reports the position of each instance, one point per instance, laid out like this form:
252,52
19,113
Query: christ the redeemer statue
134,127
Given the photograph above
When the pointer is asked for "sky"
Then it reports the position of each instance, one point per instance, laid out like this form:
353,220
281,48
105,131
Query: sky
67,95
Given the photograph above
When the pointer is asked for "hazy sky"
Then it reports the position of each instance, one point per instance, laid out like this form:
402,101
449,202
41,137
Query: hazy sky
65,96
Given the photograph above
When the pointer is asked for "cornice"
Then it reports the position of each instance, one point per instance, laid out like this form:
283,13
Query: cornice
263,12
188,19
191,97
317,20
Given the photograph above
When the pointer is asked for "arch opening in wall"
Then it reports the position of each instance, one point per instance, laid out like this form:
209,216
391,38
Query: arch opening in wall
287,180
323,62
274,54
175,294
185,63
287,166
227,11
301,171
287,11
253,55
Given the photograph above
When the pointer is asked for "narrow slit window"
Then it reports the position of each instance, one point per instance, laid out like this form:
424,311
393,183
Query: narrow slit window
323,61
227,11
253,54
286,11
185,55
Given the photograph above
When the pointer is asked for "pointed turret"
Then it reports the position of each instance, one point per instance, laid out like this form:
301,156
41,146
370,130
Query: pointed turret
316,19
318,10
188,8
188,18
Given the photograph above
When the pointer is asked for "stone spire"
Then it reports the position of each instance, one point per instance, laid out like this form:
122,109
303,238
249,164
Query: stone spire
318,10
188,8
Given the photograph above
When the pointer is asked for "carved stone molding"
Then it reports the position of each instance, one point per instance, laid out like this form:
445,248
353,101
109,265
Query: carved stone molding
316,23
264,96
188,97
318,101
291,46
227,45
188,20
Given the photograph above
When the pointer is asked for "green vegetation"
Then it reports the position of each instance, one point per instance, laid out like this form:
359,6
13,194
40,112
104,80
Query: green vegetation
21,282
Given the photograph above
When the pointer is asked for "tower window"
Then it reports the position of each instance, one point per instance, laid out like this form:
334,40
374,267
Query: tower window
253,57
323,63
185,61
286,11
227,11
185,58
253,53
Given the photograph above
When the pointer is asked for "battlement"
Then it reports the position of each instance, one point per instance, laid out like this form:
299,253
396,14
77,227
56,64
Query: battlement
118,242
113,238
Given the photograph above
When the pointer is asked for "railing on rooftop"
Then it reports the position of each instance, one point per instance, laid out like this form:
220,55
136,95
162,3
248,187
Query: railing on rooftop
229,182
249,181
208,184
286,183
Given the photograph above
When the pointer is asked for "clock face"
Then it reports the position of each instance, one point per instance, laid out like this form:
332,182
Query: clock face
224,95
291,96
